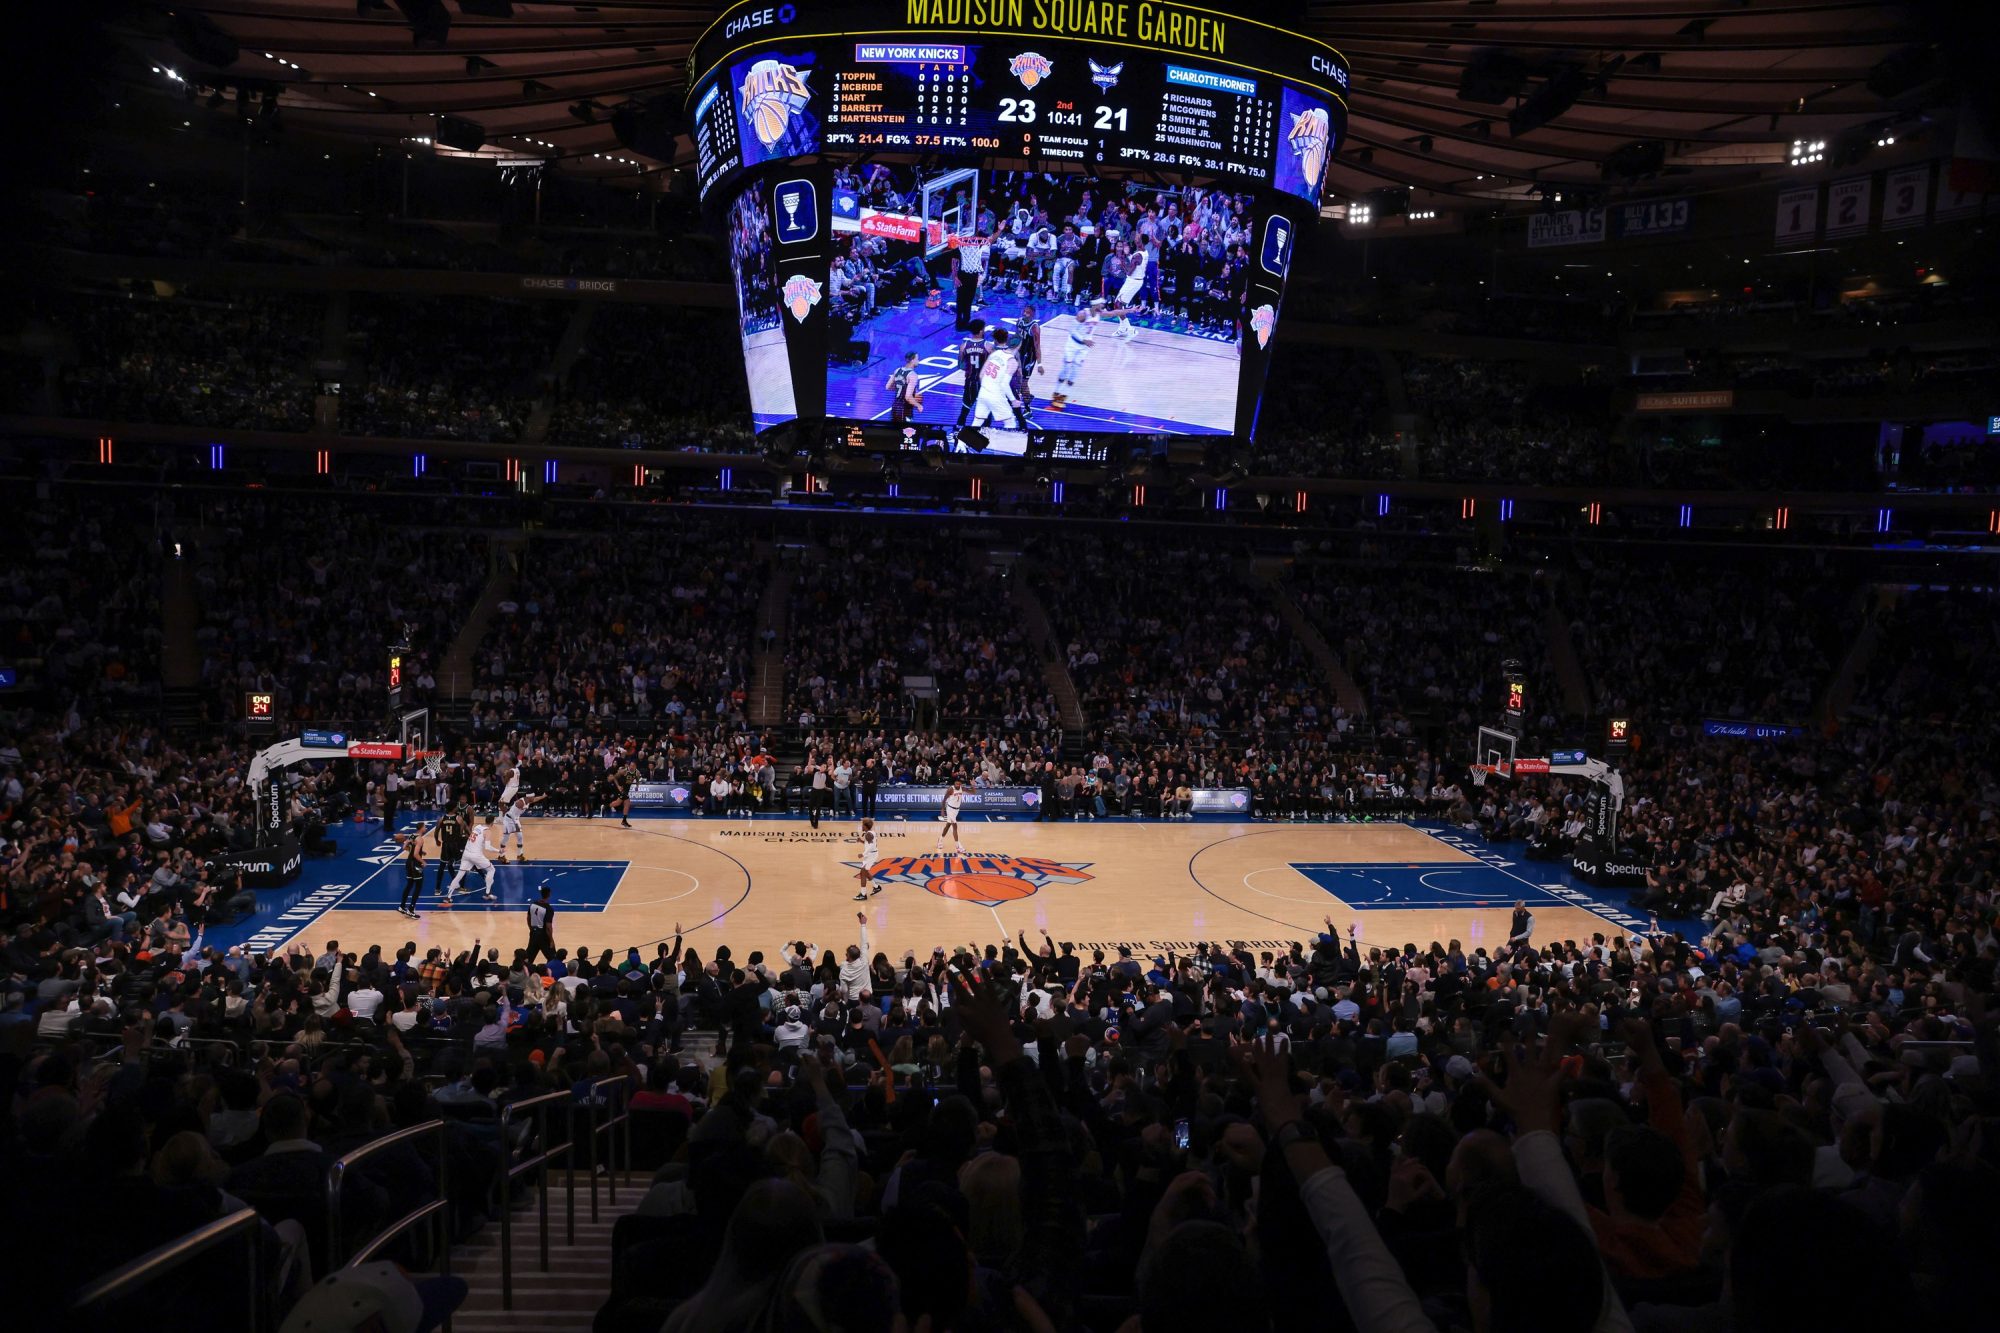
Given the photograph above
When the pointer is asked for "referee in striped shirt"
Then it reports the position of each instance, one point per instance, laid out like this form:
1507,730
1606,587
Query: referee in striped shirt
542,927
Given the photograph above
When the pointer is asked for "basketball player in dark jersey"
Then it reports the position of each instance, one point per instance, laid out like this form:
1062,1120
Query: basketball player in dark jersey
971,360
413,870
1027,355
452,832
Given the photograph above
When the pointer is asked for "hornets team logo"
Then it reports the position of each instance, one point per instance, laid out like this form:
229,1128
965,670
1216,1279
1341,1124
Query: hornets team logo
1030,68
773,92
1262,320
801,295
1106,76
987,879
1309,136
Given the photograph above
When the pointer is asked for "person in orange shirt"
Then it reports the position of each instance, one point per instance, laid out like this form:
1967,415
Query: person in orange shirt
120,820
1651,1224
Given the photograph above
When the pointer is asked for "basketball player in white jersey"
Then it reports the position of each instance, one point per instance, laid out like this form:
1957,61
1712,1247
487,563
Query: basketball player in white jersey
510,826
474,858
512,787
865,876
948,817
996,385
1128,292
1082,337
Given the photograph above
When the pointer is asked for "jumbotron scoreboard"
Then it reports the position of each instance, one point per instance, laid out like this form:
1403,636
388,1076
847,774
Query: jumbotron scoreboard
1115,189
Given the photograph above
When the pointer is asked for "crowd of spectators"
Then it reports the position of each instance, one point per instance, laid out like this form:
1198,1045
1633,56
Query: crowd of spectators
315,630
447,368
645,625
1322,416
863,614
1431,642
1705,641
1480,423
234,360
80,578
655,378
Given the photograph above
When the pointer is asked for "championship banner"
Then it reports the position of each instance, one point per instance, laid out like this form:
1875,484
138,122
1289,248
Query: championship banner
1571,227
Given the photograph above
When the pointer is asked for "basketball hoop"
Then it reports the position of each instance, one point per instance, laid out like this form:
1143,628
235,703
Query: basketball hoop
1481,772
430,763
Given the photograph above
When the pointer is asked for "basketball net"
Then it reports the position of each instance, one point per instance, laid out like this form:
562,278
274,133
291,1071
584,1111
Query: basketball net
1481,772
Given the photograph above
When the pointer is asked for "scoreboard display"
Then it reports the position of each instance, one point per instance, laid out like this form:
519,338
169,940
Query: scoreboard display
1043,220
1090,83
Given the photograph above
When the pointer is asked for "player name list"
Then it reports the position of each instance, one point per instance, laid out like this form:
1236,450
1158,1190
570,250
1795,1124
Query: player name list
1215,131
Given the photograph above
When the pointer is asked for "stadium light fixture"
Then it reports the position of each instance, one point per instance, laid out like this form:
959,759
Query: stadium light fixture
1806,152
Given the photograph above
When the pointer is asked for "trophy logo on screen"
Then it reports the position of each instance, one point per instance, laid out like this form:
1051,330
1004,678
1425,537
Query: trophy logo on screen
772,93
801,295
1308,139
790,199
1030,68
1262,320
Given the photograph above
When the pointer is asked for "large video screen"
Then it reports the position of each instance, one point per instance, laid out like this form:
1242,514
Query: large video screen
1017,300
1162,85
752,261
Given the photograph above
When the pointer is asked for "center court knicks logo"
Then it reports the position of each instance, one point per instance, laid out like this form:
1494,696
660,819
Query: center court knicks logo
1030,68
801,295
987,879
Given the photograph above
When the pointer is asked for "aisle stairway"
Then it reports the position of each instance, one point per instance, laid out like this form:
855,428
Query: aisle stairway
568,349
562,1300
1332,670
767,688
1055,670
1570,675
458,670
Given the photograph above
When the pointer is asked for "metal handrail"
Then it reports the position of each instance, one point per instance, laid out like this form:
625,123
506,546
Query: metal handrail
127,1278
539,1164
336,1176
597,1128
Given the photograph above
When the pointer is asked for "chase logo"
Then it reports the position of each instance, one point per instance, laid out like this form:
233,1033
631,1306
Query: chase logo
985,879
1277,256
770,16
1262,320
801,295
773,92
1030,68
798,211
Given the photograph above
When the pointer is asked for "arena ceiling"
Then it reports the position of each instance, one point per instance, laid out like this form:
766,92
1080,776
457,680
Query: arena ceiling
1673,95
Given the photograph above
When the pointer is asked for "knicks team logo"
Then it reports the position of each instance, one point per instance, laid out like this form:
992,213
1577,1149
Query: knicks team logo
1030,68
773,92
801,295
1310,130
1262,320
1106,76
985,879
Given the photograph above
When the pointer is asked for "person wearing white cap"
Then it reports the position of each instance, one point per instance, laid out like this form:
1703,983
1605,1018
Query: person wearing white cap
377,1298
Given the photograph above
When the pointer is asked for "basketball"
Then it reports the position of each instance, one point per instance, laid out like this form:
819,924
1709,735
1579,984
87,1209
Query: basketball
980,888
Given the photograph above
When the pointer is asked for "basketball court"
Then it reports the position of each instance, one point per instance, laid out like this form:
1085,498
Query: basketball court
1158,380
755,884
